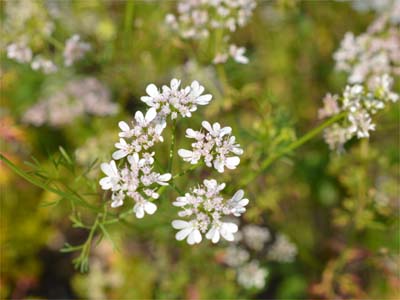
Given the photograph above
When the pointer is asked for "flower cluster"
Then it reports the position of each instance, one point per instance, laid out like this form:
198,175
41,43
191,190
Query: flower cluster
24,46
76,98
250,242
136,180
74,49
198,19
237,54
173,101
373,53
255,236
207,209
251,275
216,146
282,250
359,103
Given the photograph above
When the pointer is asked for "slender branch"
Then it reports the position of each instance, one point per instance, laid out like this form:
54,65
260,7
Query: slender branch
129,9
44,186
184,172
296,144
172,146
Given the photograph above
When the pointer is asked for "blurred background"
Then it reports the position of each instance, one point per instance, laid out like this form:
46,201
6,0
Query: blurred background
328,223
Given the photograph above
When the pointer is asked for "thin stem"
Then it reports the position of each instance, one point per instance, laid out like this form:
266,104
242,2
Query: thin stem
172,147
44,186
296,144
129,9
57,44
187,170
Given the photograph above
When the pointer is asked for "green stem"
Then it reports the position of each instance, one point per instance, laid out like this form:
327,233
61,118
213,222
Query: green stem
55,43
296,144
43,186
129,9
187,170
172,147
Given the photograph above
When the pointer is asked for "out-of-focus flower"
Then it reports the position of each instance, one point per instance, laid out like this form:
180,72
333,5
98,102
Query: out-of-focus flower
198,19
235,256
74,49
359,102
46,65
251,275
255,236
373,53
77,98
282,250
19,52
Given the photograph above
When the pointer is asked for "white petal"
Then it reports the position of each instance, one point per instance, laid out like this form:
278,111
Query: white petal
179,224
232,162
204,99
185,153
207,126
238,195
194,237
152,90
124,126
150,207
105,183
164,177
180,235
139,211
107,169
119,154
117,203
150,115
139,117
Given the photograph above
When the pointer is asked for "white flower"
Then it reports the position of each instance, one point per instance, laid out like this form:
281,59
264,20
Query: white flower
19,52
144,121
237,54
124,149
282,250
251,275
224,229
238,204
117,199
74,49
46,65
144,206
173,100
215,147
208,208
189,156
187,230
111,182
161,179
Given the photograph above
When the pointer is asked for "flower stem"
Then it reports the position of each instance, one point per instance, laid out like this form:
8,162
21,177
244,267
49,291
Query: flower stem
294,145
129,9
46,187
172,147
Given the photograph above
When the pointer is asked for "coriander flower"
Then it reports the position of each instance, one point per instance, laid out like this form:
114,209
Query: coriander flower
136,180
19,52
144,133
74,49
216,146
173,101
251,275
206,209
360,102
